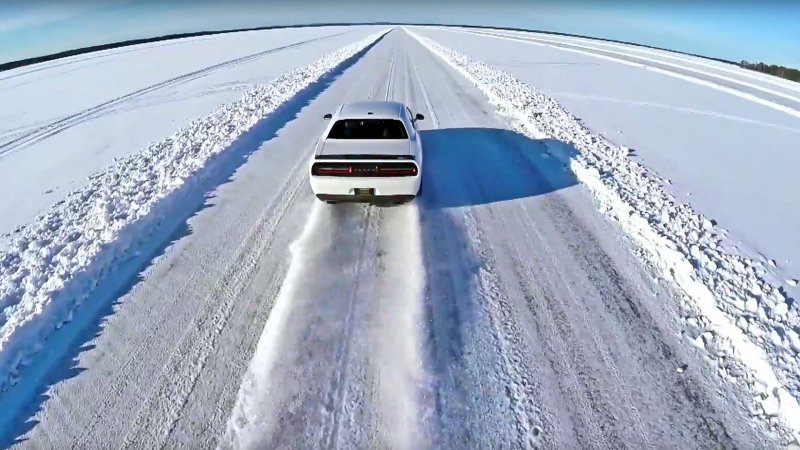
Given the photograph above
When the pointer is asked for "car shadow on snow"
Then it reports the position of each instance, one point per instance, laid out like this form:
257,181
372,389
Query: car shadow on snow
463,168
474,166
59,361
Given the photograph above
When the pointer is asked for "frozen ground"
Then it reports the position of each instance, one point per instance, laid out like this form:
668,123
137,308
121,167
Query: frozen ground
222,305
725,138
66,119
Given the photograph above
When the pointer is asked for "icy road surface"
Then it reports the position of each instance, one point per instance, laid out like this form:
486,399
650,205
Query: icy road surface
500,310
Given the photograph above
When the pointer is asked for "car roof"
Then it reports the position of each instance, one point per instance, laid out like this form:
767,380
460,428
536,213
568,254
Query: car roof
377,109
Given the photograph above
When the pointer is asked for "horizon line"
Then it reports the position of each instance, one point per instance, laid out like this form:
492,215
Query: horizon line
14,64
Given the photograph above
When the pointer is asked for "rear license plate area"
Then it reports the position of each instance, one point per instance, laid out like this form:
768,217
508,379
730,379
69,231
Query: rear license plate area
364,191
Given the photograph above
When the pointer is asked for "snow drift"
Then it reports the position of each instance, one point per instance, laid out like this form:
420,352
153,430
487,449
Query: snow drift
53,263
742,318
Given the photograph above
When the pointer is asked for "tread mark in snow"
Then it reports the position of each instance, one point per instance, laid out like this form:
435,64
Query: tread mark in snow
337,394
434,118
390,79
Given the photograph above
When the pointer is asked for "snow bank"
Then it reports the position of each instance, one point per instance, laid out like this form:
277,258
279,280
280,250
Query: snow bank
744,321
53,263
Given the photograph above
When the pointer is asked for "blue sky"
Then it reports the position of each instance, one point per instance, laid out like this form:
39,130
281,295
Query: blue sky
756,31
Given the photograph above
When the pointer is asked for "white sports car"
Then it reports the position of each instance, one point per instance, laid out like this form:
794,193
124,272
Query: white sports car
370,151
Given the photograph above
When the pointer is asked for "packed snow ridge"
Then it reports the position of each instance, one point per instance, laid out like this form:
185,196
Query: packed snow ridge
52,265
739,315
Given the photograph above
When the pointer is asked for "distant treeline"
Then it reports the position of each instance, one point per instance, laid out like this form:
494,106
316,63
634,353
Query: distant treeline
772,69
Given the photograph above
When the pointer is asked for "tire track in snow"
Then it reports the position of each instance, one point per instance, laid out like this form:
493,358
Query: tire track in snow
715,114
561,326
517,377
449,301
553,335
250,419
441,346
706,428
444,306
685,59
431,113
336,396
470,315
390,79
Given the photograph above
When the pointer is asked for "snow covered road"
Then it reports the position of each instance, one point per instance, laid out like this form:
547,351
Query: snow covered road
499,310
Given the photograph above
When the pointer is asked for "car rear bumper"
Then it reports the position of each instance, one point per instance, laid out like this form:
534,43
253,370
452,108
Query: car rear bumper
344,187
365,198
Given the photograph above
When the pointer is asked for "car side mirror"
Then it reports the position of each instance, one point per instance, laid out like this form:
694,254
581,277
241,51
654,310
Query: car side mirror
327,116
419,117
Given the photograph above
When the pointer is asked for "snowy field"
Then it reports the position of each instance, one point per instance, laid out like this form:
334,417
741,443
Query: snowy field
72,117
583,270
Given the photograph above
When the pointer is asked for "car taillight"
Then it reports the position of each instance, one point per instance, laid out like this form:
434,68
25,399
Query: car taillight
332,171
365,169
397,172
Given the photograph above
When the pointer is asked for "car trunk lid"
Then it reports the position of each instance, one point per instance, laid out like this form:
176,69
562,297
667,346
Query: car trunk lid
365,149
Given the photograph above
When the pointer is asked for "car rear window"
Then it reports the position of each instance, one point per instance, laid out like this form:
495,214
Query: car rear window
368,129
